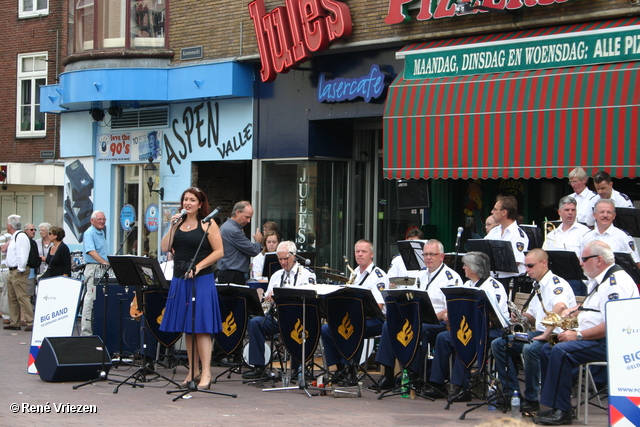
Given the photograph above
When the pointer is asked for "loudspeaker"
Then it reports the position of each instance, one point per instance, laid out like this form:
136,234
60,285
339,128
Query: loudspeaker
413,194
71,358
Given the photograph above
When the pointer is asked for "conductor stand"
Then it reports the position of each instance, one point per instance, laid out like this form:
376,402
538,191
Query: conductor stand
145,274
407,310
500,253
192,386
471,311
237,303
350,312
299,322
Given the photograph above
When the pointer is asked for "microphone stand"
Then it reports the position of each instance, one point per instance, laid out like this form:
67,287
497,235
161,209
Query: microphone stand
192,386
119,362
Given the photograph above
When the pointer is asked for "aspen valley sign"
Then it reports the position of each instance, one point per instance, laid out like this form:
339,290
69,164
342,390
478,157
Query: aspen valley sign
289,34
399,13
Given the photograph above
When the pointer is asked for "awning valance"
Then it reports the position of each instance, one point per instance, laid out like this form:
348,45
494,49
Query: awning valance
524,124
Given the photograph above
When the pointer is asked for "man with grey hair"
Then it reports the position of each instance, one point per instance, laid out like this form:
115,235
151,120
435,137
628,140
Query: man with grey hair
568,234
17,257
578,179
553,290
618,240
238,249
604,188
476,267
587,343
96,250
291,274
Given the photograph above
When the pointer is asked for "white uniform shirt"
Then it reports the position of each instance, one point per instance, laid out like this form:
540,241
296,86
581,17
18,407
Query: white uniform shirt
621,200
373,278
398,268
433,283
566,240
618,286
553,289
257,265
297,276
617,239
583,210
491,285
519,242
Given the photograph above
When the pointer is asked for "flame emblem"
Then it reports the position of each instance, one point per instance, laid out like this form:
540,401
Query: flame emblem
346,329
464,333
297,332
159,319
406,334
229,326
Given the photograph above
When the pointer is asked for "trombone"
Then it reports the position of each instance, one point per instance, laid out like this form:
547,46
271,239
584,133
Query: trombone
549,227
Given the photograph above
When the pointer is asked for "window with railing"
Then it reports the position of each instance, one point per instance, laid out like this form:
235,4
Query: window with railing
32,8
32,73
111,24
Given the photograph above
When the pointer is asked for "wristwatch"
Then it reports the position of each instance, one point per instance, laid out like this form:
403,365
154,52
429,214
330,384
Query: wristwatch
579,336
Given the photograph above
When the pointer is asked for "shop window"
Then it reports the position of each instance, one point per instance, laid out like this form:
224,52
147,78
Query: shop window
32,73
113,24
32,8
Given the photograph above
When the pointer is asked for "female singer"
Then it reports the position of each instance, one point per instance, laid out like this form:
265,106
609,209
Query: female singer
59,257
183,238
270,241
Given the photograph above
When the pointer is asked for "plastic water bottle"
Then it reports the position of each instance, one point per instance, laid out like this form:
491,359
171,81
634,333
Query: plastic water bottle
490,397
403,381
515,405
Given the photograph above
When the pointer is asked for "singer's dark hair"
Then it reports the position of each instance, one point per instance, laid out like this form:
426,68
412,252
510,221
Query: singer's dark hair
202,198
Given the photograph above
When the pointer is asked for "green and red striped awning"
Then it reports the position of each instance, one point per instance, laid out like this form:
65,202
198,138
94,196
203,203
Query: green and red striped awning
524,124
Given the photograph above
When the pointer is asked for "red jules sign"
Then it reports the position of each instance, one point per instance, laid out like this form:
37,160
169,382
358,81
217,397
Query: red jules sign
398,9
289,34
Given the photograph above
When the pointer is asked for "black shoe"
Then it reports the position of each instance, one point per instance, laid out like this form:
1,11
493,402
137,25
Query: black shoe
12,328
556,418
386,383
545,412
529,407
437,391
255,374
461,395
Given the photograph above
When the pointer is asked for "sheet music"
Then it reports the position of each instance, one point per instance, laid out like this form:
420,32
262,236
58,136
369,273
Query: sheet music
320,289
505,322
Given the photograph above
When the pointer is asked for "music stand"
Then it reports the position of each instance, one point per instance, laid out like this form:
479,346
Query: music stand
625,261
411,253
500,253
144,274
565,264
489,306
307,296
628,219
536,239
239,321
426,315
271,264
347,299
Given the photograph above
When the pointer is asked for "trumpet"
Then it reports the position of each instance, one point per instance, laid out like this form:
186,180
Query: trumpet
352,276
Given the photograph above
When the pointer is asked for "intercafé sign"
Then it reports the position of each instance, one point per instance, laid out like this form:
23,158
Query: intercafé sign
535,53
288,35
399,9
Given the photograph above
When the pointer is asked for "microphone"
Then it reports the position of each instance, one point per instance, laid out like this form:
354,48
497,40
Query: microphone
460,230
304,261
183,213
209,217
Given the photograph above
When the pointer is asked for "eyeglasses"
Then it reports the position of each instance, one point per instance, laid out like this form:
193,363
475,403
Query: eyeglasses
531,265
430,255
587,258
31,229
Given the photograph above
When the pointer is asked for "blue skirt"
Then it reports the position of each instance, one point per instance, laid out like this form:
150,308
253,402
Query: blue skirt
177,314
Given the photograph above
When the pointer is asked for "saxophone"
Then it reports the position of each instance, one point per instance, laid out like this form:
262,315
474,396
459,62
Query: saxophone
521,324
554,319
353,275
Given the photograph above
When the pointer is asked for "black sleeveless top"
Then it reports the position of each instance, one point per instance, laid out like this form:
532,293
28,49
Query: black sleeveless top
185,244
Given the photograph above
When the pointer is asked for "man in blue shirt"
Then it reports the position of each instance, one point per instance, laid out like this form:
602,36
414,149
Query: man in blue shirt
95,254
234,265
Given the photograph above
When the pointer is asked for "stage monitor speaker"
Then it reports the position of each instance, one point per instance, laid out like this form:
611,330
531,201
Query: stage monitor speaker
71,358
413,194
